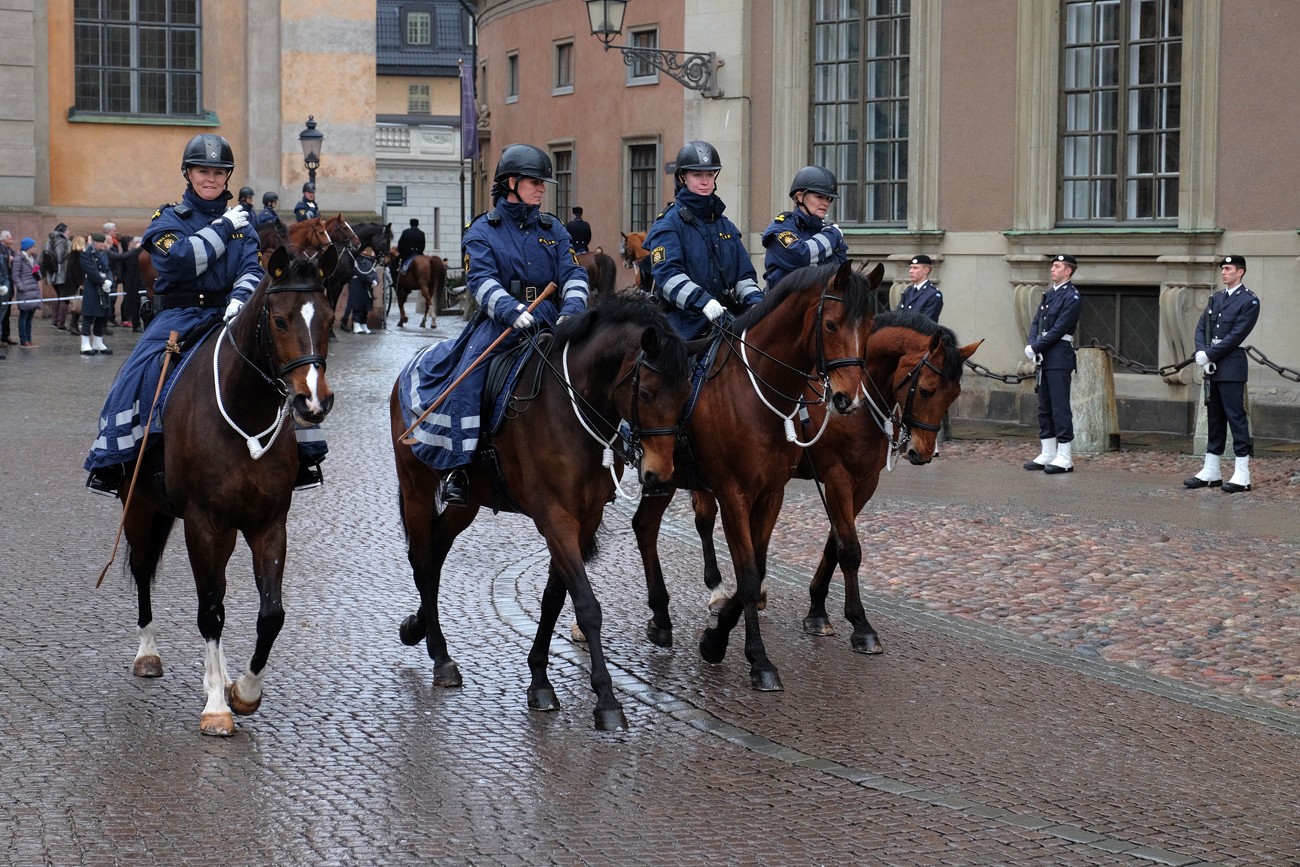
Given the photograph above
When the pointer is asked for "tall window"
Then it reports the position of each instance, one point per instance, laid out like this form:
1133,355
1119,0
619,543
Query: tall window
563,159
417,99
643,174
512,77
1125,317
1121,89
563,68
860,104
137,57
419,27
642,71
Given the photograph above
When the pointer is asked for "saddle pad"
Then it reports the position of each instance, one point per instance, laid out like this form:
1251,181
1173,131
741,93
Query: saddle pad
174,373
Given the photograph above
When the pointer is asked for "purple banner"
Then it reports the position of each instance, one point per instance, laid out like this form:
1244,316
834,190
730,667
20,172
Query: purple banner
468,115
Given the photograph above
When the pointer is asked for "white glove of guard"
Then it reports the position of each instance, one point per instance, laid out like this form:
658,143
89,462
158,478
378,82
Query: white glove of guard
108,285
4,291
232,309
237,216
1201,358
713,310
524,321
1029,352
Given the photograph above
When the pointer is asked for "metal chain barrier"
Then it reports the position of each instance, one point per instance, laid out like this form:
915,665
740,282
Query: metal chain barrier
1137,366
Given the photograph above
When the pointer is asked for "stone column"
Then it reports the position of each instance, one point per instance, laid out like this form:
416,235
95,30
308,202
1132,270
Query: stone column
1092,400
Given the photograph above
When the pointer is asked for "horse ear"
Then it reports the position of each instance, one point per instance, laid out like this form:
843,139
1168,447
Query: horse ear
328,262
279,263
877,274
650,342
968,351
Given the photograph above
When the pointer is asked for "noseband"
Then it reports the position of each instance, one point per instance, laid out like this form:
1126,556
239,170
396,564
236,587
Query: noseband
276,378
913,380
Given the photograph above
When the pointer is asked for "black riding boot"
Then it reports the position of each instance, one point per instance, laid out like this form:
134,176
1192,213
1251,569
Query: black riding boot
455,488
106,481
309,474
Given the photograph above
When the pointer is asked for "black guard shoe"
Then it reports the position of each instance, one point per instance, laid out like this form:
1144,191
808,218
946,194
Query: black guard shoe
106,481
455,488
309,475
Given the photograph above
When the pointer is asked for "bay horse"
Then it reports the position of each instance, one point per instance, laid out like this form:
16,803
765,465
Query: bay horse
263,372
307,238
554,454
601,272
428,276
811,328
635,256
914,369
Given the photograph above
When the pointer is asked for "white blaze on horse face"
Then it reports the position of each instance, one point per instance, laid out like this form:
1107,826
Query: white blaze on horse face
313,372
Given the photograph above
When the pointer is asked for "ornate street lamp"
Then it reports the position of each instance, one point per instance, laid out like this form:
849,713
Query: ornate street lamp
313,142
693,70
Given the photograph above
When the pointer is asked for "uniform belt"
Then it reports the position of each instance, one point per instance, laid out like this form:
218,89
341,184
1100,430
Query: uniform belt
526,294
172,300
1068,338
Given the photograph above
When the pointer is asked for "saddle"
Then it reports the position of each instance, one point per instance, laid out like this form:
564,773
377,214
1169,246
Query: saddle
502,374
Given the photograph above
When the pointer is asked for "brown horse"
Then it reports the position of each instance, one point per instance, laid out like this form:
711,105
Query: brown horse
428,276
635,257
812,327
555,460
601,273
307,238
264,372
914,369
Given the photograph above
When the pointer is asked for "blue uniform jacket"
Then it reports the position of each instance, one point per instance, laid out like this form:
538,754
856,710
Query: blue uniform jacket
193,250
95,300
511,242
305,210
1052,332
266,218
925,299
796,239
1225,324
696,254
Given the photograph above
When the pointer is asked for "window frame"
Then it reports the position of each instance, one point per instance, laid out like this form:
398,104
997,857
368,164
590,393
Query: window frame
429,13
95,79
642,197
1122,331
417,93
564,159
512,77
395,195
636,73
562,67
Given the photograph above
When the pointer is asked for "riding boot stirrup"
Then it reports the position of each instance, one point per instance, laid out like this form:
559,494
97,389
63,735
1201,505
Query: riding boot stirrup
106,481
455,488
309,475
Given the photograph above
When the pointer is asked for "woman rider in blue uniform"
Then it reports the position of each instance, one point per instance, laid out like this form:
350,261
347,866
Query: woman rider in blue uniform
207,264
801,237
696,254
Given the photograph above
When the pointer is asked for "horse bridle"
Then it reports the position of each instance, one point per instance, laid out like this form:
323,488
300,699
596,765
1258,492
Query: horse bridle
913,381
276,378
634,451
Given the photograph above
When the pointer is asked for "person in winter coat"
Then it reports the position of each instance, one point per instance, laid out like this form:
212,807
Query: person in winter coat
96,298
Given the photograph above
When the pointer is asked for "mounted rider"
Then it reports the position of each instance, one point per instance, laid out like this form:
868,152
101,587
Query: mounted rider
697,256
802,237
306,209
268,216
511,253
206,257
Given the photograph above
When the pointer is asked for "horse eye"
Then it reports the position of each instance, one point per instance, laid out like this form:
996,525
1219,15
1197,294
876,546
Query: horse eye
832,327
927,393
645,396
282,323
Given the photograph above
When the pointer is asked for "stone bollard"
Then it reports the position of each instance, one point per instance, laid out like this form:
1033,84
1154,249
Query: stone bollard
1202,433
1092,400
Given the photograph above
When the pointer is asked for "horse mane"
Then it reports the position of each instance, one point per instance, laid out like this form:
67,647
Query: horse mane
672,363
857,300
922,324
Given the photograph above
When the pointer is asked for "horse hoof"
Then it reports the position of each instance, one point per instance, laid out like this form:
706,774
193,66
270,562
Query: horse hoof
817,626
221,725
713,649
411,631
762,601
610,719
869,644
659,636
447,675
239,705
766,681
576,632
148,666
543,699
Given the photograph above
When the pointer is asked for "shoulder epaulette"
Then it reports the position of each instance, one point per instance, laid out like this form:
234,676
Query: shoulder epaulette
493,218
545,220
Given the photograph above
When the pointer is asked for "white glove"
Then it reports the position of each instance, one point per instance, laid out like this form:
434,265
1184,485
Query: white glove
1029,352
232,309
237,216
1201,358
108,285
713,310
524,321
4,291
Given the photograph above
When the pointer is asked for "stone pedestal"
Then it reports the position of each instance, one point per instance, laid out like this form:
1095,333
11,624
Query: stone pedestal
1201,433
1092,400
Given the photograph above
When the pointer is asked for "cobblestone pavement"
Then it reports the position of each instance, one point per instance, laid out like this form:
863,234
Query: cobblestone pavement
1093,669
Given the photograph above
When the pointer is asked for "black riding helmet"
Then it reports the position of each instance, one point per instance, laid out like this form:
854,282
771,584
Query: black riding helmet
524,160
246,192
207,149
268,198
814,179
309,187
698,156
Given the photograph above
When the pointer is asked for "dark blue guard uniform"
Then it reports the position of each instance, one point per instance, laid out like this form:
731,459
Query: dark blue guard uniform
1224,325
924,298
795,239
1052,336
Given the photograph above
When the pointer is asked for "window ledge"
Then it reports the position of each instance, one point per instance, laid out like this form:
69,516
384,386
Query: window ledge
208,118
562,91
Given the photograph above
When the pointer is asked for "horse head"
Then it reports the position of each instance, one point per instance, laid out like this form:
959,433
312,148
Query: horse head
308,238
293,329
340,232
915,365
634,349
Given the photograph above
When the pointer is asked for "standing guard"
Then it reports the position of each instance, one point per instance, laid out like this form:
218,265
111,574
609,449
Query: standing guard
1051,346
921,296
